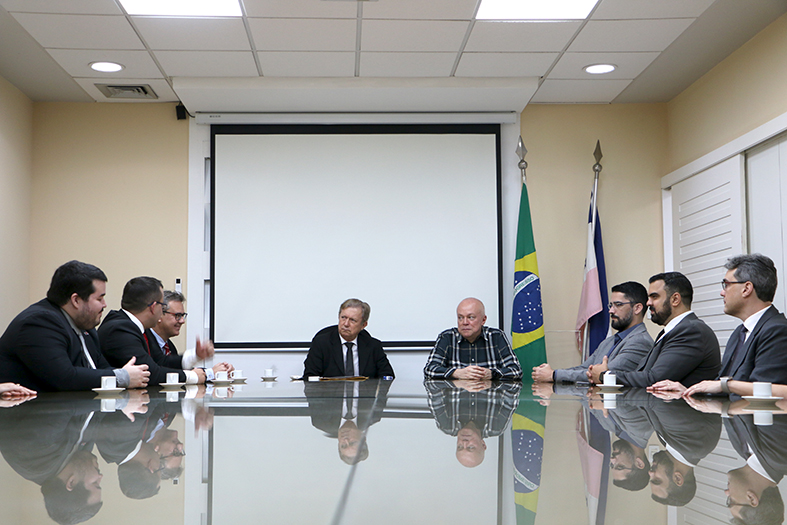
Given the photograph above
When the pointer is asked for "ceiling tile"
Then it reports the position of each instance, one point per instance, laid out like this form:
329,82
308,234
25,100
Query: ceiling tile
159,86
629,35
303,34
420,9
504,64
303,64
623,9
412,35
85,7
190,34
76,62
80,31
406,64
521,36
300,9
578,91
629,65
208,63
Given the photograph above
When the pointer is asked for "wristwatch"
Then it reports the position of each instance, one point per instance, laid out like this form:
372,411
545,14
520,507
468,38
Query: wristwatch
724,387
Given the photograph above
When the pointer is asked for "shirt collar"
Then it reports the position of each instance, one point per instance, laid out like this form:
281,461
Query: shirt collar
754,318
71,322
672,324
135,321
627,331
161,341
482,335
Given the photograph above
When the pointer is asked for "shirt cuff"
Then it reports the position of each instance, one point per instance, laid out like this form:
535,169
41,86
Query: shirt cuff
209,375
190,359
191,377
122,377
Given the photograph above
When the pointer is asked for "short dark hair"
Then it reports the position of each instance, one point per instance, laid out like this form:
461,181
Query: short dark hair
676,282
74,277
633,291
677,496
139,292
357,303
169,295
757,268
637,479
136,481
67,507
770,511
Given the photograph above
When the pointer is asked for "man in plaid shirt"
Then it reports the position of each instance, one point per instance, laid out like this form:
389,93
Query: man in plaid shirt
472,351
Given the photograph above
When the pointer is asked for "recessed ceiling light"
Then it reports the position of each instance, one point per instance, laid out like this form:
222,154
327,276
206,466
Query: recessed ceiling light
106,67
600,69
182,7
535,9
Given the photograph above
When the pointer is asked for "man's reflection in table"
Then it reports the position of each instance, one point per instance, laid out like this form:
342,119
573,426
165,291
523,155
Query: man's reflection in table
752,490
472,411
345,410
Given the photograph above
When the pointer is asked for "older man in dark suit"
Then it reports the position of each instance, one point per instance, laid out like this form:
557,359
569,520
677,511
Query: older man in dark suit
53,345
347,349
686,351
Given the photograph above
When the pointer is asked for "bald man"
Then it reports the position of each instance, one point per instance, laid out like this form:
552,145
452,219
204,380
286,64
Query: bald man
471,350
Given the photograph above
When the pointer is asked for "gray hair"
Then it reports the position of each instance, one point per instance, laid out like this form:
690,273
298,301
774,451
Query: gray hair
169,296
757,269
357,303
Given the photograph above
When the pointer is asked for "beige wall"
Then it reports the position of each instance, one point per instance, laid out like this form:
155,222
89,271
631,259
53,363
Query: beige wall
110,184
744,91
560,140
16,142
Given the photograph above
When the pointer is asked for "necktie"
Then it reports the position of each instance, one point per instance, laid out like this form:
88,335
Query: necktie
615,343
147,343
735,351
166,349
349,369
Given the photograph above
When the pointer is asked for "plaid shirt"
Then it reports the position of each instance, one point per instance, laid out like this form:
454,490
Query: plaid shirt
491,410
491,350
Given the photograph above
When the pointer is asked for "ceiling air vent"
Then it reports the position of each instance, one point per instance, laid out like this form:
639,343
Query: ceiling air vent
131,91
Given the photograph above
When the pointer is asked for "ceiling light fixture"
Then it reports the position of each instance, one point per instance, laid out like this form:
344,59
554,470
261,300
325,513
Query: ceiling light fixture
106,67
600,69
535,9
182,7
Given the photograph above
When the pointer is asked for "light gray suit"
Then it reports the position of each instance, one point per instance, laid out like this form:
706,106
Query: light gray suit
627,356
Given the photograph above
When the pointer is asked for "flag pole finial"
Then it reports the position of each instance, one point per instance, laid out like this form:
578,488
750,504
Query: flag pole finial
521,151
597,154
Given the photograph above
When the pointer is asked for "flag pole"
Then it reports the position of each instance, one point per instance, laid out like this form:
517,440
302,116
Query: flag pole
521,151
596,171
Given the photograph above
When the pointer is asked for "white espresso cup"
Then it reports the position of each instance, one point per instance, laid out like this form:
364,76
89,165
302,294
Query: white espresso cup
268,372
172,377
763,419
108,383
221,376
610,379
172,396
236,374
610,401
108,405
762,389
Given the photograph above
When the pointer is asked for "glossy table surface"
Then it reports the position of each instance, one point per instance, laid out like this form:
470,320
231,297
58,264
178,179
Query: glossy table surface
389,452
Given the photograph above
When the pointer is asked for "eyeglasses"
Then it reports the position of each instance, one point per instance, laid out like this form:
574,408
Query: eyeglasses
619,304
157,302
725,283
178,316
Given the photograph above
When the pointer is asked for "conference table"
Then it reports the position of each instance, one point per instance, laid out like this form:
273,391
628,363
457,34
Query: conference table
401,451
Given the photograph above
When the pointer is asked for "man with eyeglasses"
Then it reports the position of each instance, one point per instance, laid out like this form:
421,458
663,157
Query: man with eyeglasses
686,351
168,326
757,348
126,333
621,351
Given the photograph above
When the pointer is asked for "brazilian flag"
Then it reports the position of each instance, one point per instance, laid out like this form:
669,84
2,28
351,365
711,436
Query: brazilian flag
527,437
527,321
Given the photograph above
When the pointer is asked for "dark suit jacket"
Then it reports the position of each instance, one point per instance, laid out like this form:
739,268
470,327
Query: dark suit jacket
326,401
768,443
693,434
764,352
121,340
689,353
40,350
325,357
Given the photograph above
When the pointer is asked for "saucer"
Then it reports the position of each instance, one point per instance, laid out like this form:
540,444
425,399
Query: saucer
108,390
609,387
239,379
270,378
171,385
757,399
225,382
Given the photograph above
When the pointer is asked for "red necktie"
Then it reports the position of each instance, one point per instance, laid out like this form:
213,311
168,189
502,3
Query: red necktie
166,348
147,343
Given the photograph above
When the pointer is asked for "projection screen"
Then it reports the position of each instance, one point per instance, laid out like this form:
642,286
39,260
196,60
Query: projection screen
406,218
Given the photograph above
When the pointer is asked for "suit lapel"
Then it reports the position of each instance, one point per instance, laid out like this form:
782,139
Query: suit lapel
363,356
770,312
338,352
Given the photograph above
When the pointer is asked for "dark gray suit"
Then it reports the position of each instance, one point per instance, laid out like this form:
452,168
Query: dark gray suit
764,354
626,356
689,353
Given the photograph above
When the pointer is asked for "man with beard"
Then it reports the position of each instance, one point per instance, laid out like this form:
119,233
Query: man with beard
629,465
53,345
686,351
620,352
